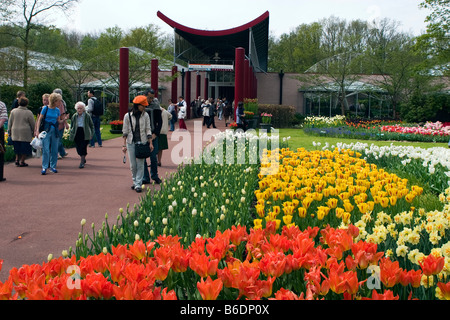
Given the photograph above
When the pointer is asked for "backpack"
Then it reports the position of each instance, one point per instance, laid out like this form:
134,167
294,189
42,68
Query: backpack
98,108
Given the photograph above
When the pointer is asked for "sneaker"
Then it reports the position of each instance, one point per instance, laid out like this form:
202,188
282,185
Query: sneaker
157,180
44,172
53,170
138,189
81,165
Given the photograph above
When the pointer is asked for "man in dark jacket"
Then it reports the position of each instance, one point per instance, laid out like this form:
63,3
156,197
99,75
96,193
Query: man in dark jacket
154,111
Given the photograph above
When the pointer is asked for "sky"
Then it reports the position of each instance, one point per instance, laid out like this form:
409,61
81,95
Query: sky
94,16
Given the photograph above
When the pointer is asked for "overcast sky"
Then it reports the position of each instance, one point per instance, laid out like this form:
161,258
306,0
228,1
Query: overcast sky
284,15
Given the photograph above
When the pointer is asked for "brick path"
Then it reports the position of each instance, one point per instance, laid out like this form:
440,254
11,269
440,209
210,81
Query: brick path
40,215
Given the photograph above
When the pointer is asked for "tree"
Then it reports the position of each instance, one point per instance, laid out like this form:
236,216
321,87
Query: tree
436,41
342,45
296,51
25,16
391,54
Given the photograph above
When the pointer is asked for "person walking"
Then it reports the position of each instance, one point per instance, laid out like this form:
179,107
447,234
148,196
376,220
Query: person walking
240,120
95,114
19,95
182,113
81,131
228,113
162,139
21,126
52,118
220,106
205,112
212,113
136,129
3,119
154,112
62,126
172,109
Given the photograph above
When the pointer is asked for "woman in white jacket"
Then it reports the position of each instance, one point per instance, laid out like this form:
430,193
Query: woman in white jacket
162,139
136,128
182,113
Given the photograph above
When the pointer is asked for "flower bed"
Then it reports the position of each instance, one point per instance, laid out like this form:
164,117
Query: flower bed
328,224
376,130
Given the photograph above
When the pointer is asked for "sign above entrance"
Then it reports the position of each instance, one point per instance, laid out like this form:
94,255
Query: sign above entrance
211,67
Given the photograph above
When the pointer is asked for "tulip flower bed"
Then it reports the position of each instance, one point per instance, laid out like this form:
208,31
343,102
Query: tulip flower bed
322,224
376,130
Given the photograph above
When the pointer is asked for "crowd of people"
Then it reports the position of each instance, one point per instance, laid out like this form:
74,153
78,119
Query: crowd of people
47,126
146,122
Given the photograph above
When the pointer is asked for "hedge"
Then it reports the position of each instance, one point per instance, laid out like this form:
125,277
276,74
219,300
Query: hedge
282,115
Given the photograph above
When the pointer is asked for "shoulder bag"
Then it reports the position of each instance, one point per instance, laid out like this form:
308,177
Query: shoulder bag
141,150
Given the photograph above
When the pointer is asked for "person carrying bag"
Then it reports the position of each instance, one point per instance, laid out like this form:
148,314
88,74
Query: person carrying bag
137,138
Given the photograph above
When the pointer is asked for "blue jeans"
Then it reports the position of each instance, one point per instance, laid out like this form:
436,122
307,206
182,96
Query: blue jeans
172,125
97,134
61,150
153,163
136,166
50,149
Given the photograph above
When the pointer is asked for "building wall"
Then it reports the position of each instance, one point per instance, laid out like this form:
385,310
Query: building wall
269,90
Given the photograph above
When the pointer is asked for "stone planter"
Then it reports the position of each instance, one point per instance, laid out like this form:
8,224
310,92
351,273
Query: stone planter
265,126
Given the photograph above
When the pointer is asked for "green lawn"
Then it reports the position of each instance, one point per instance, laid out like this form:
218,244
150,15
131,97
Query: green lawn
299,139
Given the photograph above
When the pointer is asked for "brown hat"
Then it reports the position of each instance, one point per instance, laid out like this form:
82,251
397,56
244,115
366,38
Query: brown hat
142,100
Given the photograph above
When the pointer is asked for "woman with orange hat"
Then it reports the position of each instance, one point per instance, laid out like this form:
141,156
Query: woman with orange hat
136,129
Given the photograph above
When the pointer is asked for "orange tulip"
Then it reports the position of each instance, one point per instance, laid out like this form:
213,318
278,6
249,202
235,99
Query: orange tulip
6,289
432,265
445,290
209,289
387,295
202,265
389,272
137,250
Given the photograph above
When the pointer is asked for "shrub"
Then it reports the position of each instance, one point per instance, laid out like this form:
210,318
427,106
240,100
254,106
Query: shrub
282,116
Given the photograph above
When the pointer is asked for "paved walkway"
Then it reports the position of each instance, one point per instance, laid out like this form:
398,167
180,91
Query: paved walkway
40,215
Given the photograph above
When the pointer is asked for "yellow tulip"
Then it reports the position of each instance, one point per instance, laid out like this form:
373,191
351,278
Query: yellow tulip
363,207
332,203
348,206
339,212
257,224
306,202
393,200
287,219
302,212
384,202
346,217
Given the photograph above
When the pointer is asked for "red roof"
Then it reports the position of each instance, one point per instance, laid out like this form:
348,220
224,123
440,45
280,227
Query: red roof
208,33
200,46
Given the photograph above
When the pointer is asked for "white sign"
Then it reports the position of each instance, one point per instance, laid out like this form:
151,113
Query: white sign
210,67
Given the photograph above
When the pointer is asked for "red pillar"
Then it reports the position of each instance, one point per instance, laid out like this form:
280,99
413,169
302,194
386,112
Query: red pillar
154,76
174,84
199,84
124,77
239,77
206,88
187,97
